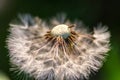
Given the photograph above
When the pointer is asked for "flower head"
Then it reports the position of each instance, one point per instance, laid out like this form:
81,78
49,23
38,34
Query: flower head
65,52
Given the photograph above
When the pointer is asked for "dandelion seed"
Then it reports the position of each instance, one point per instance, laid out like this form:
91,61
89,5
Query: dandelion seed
64,52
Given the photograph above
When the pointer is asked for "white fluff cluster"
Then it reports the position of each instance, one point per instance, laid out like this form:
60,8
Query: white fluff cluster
44,60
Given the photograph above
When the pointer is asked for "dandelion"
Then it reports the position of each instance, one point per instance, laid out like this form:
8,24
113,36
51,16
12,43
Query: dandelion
61,50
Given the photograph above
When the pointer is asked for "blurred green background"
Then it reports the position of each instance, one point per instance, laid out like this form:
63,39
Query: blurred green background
91,12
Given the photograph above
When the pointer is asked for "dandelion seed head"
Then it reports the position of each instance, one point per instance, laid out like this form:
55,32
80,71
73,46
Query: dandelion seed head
60,53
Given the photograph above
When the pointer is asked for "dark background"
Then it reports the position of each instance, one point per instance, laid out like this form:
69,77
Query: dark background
91,12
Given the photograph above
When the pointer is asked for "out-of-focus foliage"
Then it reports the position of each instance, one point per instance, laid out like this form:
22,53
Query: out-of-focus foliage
112,65
3,76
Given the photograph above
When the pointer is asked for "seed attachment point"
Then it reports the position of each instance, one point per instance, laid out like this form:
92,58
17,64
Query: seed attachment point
61,30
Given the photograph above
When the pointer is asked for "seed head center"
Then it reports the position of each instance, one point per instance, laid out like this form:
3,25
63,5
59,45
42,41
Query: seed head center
61,30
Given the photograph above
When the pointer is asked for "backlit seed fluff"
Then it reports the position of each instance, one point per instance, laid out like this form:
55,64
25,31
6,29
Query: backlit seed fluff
60,50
